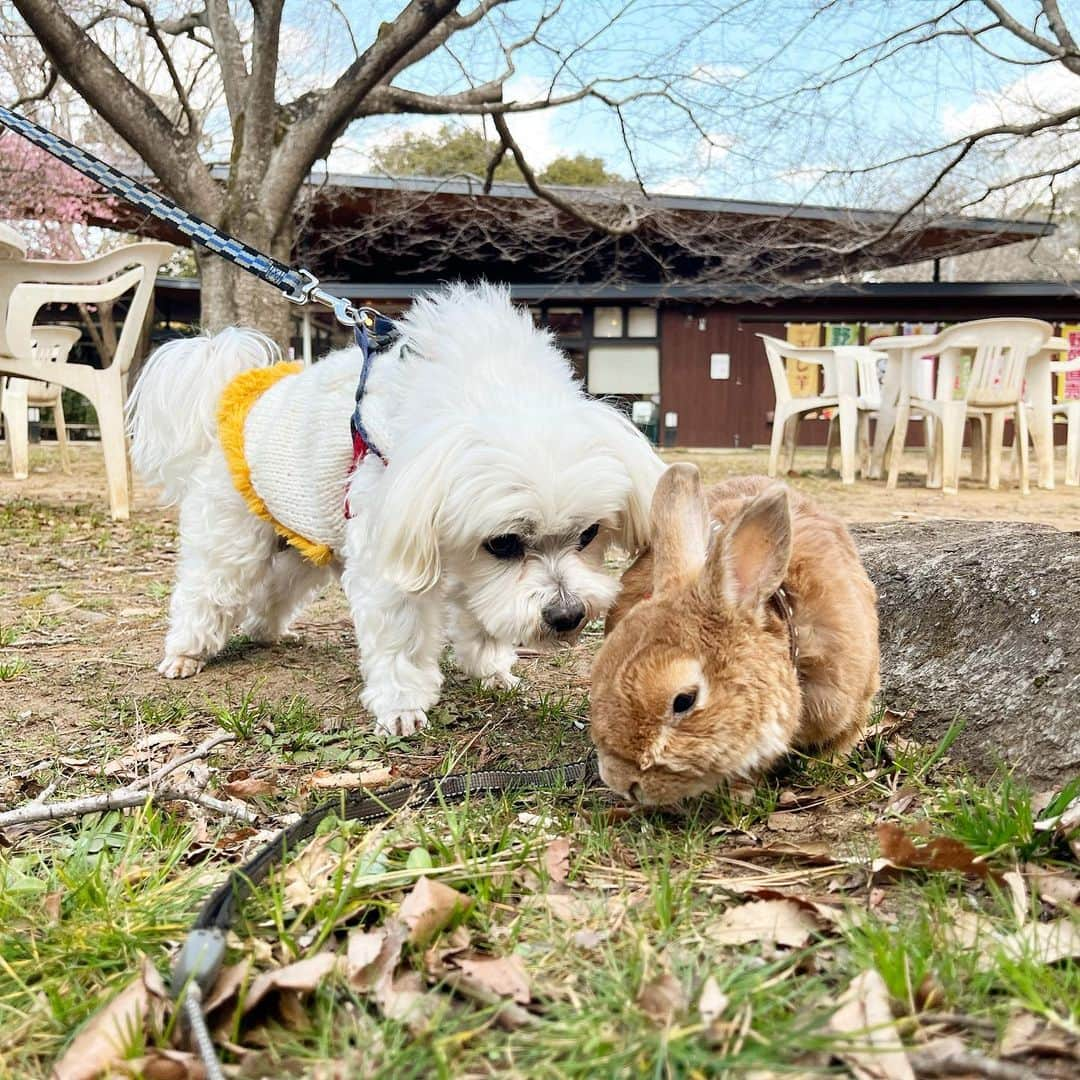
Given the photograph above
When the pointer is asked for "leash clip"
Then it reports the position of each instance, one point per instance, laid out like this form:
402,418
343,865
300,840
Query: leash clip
309,290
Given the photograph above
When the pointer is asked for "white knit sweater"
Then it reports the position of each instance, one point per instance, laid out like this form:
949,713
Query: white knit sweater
298,445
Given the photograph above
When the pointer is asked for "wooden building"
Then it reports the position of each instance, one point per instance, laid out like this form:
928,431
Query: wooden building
631,324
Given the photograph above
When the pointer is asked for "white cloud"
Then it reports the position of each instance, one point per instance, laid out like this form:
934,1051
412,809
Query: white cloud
679,185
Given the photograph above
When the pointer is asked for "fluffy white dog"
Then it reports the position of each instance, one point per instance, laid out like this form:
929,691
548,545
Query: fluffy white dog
483,517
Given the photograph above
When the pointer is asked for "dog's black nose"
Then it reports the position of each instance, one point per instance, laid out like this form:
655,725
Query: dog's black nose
565,614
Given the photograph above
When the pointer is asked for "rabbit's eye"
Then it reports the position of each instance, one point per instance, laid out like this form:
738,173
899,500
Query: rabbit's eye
508,546
588,536
684,702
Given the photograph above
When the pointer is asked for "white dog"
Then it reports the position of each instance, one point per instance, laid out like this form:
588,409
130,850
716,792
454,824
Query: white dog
483,515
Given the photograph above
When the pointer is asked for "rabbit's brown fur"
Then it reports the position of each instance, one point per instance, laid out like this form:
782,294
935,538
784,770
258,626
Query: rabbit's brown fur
695,617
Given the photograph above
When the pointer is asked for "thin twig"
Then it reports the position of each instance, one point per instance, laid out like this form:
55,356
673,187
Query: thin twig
967,1063
120,799
202,750
975,1023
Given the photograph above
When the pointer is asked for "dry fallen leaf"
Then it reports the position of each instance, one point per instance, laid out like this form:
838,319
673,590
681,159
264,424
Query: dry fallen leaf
662,999
1026,1034
781,922
1063,823
51,903
140,751
1055,887
589,939
304,976
429,908
361,953
557,859
713,1002
164,1064
942,853
307,875
227,985
1018,894
871,1046
1044,943
249,787
104,1040
502,975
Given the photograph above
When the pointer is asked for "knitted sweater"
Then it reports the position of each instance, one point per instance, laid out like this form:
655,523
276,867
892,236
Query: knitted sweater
286,436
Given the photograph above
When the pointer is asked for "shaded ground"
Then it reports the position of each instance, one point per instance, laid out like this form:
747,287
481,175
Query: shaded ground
620,931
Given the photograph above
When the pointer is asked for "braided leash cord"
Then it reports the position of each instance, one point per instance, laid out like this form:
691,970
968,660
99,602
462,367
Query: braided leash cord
201,956
293,283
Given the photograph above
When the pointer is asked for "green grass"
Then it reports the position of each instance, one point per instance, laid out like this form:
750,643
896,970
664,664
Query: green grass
121,891
645,888
12,669
997,818
649,885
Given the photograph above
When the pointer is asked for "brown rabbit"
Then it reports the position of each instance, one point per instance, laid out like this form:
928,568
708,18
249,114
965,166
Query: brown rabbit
749,628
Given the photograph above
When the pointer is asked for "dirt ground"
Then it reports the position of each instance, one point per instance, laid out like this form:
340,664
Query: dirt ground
83,603
83,599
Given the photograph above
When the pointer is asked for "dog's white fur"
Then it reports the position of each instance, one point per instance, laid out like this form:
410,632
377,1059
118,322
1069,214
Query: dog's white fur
486,433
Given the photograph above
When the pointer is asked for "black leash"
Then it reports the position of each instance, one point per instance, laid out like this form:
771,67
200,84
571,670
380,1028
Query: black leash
199,961
201,956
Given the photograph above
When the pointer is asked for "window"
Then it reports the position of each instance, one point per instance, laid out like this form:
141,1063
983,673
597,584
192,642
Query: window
624,369
566,321
607,322
642,322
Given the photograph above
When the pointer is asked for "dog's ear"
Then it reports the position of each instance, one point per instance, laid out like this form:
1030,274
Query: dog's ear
644,469
412,495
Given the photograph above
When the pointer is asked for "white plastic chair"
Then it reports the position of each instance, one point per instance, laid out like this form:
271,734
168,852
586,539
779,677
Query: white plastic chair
17,396
1001,350
868,403
27,286
1069,412
841,392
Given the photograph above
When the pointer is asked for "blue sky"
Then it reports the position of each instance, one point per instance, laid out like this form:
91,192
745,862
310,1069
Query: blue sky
731,59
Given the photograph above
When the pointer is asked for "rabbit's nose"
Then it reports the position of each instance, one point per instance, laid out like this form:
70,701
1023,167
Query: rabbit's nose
564,615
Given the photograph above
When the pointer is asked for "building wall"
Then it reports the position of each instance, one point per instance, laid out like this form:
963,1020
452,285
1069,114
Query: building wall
737,411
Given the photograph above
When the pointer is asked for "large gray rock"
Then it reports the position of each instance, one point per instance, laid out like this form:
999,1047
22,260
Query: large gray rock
980,621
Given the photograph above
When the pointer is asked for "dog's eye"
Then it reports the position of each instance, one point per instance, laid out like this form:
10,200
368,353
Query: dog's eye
684,702
509,546
588,536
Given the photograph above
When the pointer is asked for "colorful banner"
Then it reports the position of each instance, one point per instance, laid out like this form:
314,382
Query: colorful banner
874,330
841,334
803,378
1068,382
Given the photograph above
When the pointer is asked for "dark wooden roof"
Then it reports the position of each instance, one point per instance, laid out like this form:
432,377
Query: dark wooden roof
369,230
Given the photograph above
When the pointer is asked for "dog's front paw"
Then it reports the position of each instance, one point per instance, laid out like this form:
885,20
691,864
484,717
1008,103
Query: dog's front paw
405,722
180,667
500,680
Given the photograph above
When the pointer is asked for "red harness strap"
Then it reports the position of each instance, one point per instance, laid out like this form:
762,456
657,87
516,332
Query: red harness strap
360,451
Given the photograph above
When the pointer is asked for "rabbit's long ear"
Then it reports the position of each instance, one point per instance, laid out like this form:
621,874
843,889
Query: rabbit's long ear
750,560
679,527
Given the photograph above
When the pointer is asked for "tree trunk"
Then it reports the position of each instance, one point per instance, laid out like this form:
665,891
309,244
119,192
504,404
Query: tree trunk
980,622
231,296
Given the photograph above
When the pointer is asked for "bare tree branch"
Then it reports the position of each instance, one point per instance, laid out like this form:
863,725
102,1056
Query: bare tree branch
155,36
1057,51
321,117
230,51
51,75
186,24
1059,26
130,111
630,218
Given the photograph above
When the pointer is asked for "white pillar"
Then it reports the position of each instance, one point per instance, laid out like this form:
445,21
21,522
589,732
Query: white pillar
305,327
